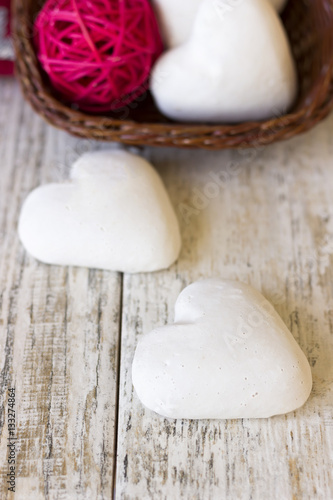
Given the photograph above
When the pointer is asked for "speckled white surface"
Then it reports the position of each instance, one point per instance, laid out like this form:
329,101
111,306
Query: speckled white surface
115,215
227,355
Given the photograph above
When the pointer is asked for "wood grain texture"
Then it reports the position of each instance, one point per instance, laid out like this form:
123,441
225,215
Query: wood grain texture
269,223
262,216
59,333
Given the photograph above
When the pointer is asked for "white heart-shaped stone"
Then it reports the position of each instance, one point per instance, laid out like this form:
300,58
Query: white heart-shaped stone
236,66
228,355
176,18
114,214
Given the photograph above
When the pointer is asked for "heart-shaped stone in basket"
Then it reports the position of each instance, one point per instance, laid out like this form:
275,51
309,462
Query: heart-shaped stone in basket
228,355
236,66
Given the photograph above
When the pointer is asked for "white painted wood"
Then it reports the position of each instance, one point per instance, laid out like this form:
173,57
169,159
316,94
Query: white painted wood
58,332
271,225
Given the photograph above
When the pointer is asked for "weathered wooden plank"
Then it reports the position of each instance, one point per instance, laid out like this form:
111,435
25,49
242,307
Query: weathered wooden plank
269,222
59,332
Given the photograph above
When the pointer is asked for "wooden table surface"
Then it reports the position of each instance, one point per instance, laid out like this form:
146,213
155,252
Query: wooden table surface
67,335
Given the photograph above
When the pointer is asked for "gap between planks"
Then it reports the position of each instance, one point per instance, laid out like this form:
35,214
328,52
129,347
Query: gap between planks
116,413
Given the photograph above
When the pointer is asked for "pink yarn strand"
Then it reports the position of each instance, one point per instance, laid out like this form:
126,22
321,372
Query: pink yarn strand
85,31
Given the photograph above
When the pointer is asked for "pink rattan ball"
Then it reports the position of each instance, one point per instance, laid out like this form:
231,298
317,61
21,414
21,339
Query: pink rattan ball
98,54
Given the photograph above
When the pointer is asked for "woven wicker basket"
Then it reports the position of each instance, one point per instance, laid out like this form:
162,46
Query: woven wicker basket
309,24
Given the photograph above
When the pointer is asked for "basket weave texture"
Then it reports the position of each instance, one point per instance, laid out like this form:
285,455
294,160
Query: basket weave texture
309,24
